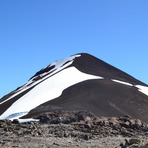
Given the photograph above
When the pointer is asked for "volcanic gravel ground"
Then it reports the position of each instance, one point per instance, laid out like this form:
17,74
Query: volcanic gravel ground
74,129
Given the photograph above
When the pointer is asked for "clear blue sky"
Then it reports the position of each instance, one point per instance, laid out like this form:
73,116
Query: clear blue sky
34,33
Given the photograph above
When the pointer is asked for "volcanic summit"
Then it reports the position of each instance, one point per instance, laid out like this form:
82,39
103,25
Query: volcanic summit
78,82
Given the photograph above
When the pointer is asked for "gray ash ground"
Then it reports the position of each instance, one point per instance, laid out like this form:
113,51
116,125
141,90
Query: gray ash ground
74,129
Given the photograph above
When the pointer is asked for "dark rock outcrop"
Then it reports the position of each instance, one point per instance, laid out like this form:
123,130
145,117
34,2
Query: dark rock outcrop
80,125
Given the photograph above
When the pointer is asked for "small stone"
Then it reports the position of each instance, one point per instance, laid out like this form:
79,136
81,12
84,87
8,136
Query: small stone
134,141
15,121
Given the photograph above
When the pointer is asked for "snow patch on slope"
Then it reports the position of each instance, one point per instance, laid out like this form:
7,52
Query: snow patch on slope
47,90
27,120
122,82
143,89
59,65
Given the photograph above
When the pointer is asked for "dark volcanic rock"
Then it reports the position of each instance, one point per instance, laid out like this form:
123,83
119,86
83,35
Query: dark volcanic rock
87,122
57,117
80,125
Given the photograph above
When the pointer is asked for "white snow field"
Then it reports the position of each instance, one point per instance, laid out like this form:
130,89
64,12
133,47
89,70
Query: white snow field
59,65
143,89
49,89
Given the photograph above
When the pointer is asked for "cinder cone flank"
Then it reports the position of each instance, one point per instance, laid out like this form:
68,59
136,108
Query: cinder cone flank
78,82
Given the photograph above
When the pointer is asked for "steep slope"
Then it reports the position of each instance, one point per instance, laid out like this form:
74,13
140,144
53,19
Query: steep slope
79,82
101,97
45,85
92,65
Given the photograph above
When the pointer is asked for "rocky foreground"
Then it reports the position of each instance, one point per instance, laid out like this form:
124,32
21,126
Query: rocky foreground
74,129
